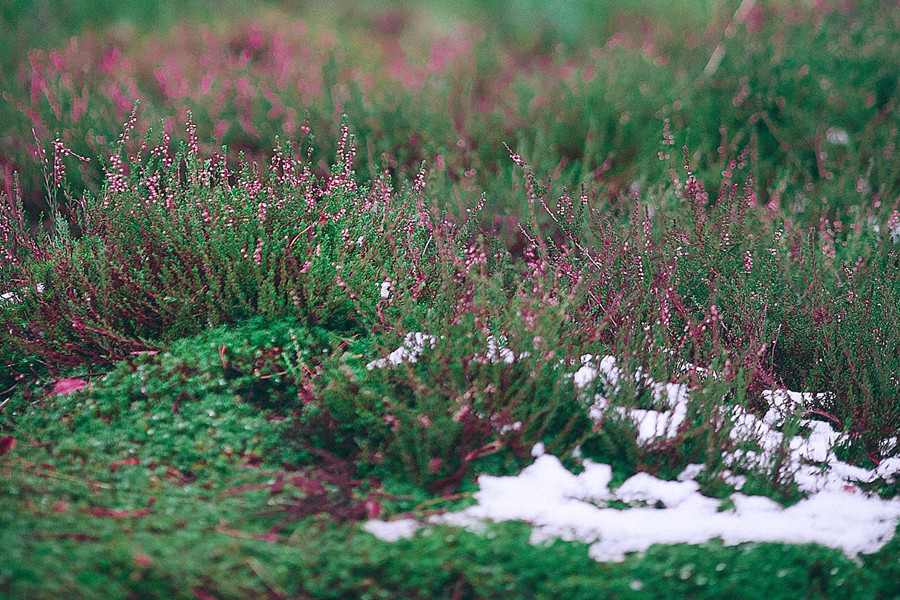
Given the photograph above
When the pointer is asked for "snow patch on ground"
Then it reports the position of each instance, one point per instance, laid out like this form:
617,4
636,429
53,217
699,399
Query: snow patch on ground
414,345
391,531
12,298
560,504
651,424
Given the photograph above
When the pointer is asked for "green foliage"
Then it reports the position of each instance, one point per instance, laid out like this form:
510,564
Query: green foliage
196,406
435,418
284,337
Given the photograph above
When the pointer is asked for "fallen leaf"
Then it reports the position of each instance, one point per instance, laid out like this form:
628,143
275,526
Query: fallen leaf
125,461
68,385
7,443
485,450
201,595
142,560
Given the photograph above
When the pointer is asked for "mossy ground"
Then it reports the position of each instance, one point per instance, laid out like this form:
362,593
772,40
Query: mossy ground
165,479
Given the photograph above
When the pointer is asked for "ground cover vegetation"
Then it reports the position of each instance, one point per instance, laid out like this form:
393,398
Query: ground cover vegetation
265,278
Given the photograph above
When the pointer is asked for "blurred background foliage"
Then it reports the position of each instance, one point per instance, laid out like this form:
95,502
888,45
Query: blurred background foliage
806,89
29,24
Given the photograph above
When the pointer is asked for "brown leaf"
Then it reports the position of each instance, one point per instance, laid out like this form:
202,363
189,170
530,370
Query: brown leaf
68,385
201,595
7,443
142,560
485,450
125,461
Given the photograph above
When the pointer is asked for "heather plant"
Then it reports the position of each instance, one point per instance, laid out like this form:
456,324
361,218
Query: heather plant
461,397
721,284
174,243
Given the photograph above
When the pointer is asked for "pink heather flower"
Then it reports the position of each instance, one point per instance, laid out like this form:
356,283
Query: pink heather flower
893,225
346,155
828,248
116,174
129,127
668,138
516,158
728,172
695,190
152,183
748,262
261,213
59,169
419,185
894,220
257,254
193,146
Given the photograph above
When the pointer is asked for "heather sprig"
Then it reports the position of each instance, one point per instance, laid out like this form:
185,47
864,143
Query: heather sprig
170,246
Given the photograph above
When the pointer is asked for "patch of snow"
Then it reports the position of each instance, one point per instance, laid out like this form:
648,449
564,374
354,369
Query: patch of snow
12,298
560,504
391,531
586,374
888,469
413,346
497,352
651,424
692,471
415,343
785,403
516,426
643,487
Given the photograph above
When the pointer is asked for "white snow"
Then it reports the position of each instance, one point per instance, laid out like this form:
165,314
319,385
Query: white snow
12,298
651,424
560,504
497,352
415,342
414,345
391,531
